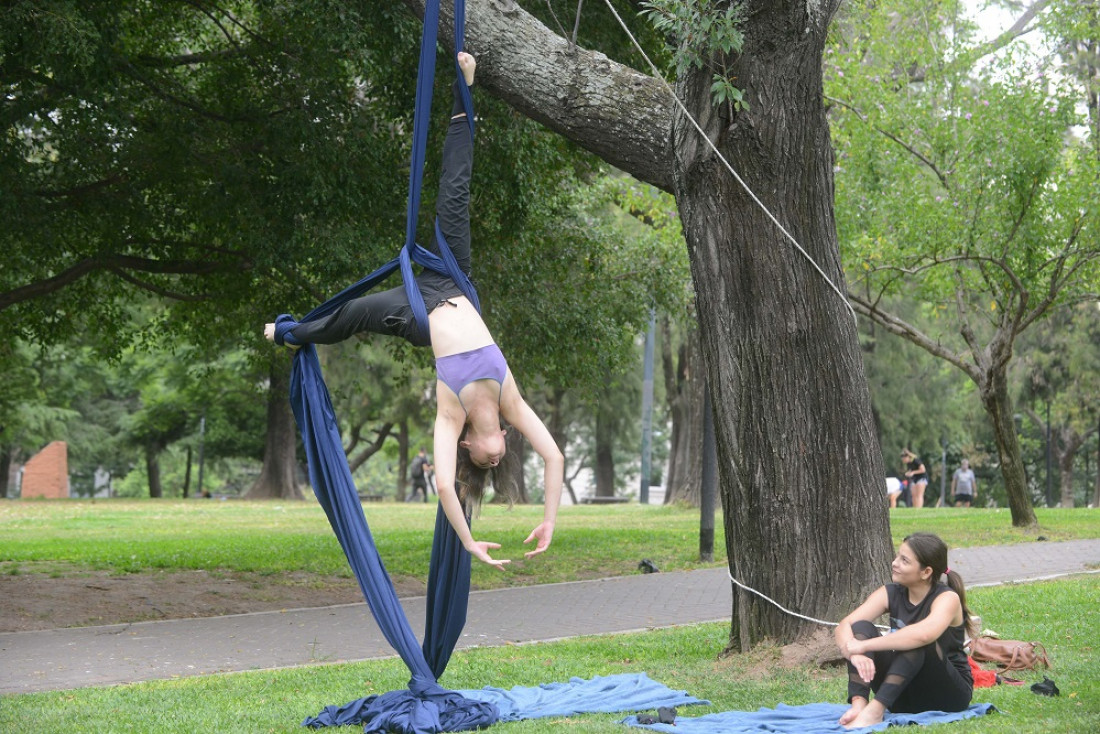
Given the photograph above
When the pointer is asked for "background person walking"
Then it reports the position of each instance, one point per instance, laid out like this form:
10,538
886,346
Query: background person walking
419,469
917,476
964,485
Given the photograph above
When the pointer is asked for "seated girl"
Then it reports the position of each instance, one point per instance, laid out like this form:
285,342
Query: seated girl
921,664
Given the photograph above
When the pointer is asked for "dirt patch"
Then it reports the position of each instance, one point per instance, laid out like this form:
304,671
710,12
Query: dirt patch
34,601
812,651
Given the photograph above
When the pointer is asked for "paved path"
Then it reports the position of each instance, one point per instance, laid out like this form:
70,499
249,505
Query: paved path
89,656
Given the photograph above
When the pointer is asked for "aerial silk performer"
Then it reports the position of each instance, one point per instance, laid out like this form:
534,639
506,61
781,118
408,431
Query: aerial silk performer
475,389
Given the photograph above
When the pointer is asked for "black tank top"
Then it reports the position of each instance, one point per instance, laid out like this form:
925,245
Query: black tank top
903,612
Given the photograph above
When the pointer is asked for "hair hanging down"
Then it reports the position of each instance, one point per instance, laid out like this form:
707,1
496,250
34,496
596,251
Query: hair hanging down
471,479
931,551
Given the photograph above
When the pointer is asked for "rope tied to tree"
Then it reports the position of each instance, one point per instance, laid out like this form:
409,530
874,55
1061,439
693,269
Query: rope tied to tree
726,163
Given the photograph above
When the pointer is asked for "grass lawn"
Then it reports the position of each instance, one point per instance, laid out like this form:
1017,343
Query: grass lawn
1063,614
127,536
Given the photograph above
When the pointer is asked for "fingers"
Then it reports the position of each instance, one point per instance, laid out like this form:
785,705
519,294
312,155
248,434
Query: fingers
269,332
535,552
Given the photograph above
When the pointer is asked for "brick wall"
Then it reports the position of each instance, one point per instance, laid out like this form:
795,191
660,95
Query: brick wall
47,473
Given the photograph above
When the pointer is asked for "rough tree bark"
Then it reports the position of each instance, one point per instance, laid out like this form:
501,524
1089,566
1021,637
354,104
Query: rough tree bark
684,390
152,470
800,469
605,440
279,477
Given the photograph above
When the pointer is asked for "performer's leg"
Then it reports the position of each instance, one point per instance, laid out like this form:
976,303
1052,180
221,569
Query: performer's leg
386,312
452,204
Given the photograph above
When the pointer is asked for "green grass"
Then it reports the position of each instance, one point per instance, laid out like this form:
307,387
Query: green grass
271,537
128,536
1062,614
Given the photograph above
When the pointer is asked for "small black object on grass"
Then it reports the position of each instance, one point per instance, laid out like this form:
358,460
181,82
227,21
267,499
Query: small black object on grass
648,566
1046,688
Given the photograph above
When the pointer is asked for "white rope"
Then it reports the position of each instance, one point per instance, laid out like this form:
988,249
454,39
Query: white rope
729,167
778,605
788,611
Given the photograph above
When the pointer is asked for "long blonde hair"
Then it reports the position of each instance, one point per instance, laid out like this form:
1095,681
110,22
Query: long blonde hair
471,480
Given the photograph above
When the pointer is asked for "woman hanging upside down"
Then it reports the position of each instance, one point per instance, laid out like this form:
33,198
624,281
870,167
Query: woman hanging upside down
920,665
475,388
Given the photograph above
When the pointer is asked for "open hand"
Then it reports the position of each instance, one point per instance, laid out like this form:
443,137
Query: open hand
543,534
480,551
864,665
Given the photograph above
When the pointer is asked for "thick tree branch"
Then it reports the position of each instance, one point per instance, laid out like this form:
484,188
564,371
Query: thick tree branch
374,447
907,331
113,263
611,110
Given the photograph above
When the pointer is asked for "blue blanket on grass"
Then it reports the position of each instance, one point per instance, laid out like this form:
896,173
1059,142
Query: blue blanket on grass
602,694
809,719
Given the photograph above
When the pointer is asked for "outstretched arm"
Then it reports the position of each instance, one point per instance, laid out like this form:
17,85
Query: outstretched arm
517,412
449,419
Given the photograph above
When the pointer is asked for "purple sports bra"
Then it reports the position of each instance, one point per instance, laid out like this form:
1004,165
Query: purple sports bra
456,371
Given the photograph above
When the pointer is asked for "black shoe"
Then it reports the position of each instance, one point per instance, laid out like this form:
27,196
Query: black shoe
1046,688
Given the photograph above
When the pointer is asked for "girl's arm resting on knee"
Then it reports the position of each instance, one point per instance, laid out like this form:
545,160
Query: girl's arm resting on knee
517,412
945,609
873,607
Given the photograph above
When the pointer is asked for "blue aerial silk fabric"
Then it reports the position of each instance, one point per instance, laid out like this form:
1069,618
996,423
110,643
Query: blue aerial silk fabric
411,252
425,707
602,694
808,719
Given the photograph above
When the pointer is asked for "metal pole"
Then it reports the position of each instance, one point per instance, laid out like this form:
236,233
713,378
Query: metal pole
647,411
708,491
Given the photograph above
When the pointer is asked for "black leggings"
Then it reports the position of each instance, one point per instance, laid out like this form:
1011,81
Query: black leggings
388,312
910,681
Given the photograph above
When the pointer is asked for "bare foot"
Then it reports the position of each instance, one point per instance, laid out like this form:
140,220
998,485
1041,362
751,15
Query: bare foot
269,333
869,716
467,64
858,704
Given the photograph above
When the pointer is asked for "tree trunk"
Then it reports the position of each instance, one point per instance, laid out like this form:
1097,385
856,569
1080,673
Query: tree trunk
152,470
993,391
1070,442
186,476
5,470
685,391
605,442
517,449
800,469
555,423
799,463
278,478
1096,491
403,459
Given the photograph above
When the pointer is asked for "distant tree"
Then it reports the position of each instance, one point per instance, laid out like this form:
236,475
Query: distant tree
960,182
1061,365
